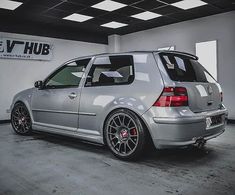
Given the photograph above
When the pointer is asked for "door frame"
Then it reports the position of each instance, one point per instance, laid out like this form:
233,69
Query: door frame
57,128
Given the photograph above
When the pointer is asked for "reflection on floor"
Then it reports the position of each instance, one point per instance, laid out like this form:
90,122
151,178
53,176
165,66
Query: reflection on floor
46,164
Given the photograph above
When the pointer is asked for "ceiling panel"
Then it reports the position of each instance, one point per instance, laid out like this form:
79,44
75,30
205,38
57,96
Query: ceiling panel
170,1
222,4
205,10
129,2
149,4
85,2
111,16
45,3
128,11
29,9
56,13
182,16
70,7
92,12
37,14
166,10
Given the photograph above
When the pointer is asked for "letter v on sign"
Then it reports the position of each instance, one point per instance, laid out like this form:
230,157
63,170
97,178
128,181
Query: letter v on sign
11,45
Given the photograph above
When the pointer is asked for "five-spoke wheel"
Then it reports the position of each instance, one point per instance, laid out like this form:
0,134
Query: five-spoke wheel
20,119
125,134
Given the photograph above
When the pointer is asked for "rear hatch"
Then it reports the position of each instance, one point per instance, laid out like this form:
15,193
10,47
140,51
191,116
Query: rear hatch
204,93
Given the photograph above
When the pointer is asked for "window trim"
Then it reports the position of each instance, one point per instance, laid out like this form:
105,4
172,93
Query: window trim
115,84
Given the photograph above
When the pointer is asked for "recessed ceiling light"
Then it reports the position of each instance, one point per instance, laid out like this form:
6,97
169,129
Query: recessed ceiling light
114,25
78,17
189,4
146,15
109,5
11,5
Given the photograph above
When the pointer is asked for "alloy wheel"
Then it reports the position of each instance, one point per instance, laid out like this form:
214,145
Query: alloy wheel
123,135
20,119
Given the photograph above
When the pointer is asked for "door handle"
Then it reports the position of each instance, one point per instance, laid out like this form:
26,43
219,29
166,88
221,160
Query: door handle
209,103
72,95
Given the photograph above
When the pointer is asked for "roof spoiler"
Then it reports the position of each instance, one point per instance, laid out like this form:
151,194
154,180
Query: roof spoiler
179,52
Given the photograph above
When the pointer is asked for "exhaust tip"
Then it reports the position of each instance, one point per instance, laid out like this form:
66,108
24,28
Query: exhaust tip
200,142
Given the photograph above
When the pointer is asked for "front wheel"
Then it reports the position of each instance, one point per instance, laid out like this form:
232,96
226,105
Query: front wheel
20,119
125,134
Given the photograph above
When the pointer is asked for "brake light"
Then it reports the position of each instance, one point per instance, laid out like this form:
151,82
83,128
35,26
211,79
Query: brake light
172,97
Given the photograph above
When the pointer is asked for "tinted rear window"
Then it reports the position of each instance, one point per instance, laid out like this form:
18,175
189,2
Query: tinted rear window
184,68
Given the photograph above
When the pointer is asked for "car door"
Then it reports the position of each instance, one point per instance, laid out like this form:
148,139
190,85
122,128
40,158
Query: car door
56,104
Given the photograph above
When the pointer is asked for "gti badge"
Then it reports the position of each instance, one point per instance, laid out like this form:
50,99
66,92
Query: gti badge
210,90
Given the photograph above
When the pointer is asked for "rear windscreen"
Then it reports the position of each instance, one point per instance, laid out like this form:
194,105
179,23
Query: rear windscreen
184,68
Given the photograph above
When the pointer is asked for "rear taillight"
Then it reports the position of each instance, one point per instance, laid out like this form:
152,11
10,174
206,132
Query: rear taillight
221,96
172,97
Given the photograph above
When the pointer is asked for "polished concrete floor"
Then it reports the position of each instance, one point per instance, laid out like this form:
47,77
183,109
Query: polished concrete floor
46,164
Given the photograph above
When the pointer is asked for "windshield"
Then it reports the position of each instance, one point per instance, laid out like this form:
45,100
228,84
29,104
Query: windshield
184,68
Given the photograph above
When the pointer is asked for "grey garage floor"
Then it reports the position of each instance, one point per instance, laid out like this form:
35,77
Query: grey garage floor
45,164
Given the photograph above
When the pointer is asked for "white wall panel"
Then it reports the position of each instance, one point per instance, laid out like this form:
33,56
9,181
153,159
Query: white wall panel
207,53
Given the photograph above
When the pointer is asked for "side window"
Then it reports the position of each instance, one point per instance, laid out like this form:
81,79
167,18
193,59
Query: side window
111,70
67,76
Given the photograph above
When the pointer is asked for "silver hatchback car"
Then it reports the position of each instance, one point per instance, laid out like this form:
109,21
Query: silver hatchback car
126,101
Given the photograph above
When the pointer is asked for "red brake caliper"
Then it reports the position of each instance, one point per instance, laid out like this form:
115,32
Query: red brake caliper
133,131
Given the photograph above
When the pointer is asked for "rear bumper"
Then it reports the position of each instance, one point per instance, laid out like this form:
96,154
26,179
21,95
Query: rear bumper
184,130
175,142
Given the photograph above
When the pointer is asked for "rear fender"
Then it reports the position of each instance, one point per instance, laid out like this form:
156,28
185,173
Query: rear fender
132,104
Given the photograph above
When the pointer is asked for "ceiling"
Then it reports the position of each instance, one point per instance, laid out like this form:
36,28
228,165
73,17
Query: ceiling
45,17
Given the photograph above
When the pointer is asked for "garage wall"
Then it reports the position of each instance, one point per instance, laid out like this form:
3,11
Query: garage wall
17,75
184,35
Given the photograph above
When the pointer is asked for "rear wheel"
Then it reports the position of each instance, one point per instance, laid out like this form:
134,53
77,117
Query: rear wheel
20,119
125,134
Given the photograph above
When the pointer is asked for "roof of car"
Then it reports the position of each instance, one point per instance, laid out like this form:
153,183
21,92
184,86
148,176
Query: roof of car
143,51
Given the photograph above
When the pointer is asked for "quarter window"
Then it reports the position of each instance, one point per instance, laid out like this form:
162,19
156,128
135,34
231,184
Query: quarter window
112,70
68,76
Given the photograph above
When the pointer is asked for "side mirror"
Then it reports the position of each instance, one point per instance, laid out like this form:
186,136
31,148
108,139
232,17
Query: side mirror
38,84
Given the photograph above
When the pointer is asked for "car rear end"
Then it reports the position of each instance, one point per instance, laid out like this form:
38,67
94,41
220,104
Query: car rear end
189,109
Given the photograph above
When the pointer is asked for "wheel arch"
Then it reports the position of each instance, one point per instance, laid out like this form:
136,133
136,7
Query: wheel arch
26,105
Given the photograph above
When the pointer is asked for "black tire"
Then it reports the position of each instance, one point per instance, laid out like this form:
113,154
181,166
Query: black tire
125,142
20,119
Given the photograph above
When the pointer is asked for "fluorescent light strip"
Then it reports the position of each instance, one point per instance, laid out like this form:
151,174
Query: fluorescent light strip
114,25
109,5
189,4
10,5
78,17
146,15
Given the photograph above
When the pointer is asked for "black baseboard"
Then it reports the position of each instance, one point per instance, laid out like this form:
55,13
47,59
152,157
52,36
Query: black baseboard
230,121
4,121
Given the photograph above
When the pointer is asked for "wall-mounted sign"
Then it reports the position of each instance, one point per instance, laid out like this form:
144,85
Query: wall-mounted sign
25,49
